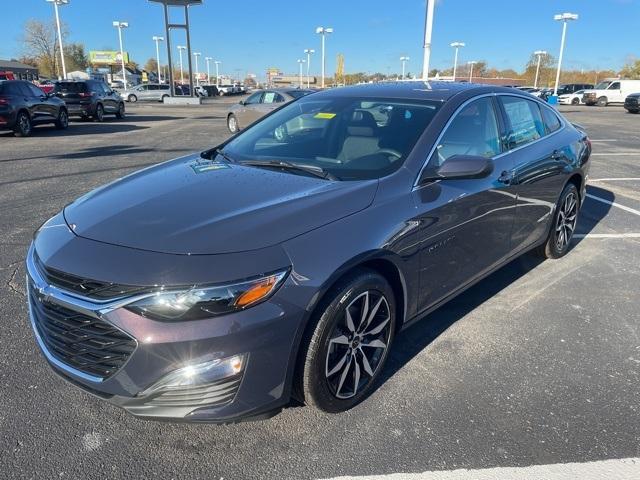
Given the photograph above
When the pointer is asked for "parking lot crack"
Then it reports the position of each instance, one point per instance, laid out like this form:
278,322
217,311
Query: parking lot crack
12,284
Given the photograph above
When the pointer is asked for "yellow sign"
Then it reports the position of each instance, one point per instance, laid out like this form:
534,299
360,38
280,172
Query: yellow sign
326,116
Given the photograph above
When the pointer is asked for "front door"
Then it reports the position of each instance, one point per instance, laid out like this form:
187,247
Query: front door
465,225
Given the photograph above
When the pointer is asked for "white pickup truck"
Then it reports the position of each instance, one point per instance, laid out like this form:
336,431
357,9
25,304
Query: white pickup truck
611,90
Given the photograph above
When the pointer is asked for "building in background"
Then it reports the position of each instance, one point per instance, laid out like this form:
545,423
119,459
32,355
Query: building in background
13,70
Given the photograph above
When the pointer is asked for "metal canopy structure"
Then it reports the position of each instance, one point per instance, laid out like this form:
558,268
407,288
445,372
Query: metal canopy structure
183,26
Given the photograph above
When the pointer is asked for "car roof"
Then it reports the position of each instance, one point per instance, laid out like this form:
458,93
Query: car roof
419,90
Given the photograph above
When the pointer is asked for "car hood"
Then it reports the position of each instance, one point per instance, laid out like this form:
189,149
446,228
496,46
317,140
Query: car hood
196,206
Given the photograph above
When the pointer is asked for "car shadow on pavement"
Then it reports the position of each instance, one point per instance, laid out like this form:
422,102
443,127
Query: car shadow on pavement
132,117
81,128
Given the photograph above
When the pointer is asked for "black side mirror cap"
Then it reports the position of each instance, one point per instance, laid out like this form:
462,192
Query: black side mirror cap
460,167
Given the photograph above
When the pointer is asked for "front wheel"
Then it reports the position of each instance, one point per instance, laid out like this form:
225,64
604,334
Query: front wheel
23,126
62,121
120,114
347,346
564,224
602,102
132,99
232,124
99,115
575,101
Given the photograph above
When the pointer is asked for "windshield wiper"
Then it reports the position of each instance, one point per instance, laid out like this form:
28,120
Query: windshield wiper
310,169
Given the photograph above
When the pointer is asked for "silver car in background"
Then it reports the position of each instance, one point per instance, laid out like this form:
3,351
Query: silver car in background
148,92
258,104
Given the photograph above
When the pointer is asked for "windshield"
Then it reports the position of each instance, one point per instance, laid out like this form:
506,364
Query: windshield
350,138
299,93
602,85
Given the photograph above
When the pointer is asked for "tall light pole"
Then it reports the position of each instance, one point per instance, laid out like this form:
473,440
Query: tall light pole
324,32
197,55
208,59
300,62
120,26
158,40
564,18
56,4
428,30
539,54
457,46
217,62
309,52
181,48
471,64
404,61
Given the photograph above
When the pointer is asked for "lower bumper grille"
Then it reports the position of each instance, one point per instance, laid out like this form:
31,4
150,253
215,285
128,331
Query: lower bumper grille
210,395
84,343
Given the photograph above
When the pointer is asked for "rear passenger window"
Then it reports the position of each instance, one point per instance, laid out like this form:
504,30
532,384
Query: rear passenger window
525,121
474,131
551,120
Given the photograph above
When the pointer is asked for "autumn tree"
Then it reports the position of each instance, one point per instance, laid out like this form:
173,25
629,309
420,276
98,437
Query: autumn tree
75,57
39,41
631,70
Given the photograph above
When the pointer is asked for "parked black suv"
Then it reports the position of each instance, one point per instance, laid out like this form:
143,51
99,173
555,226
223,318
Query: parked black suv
89,99
573,88
23,105
632,103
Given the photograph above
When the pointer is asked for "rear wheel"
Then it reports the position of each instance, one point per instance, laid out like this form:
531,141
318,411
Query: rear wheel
564,224
232,123
23,126
602,101
121,112
346,348
163,97
63,120
99,115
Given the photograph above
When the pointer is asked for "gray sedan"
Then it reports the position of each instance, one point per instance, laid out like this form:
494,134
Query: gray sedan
258,104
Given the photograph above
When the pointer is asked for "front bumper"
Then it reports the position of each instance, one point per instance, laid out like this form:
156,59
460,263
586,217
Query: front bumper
265,336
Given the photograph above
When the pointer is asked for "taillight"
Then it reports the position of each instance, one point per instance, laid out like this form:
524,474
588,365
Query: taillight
84,95
4,101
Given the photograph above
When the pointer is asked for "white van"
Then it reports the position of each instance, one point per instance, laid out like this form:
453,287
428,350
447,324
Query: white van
611,90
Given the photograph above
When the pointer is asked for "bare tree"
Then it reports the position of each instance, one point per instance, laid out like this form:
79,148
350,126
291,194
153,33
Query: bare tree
39,41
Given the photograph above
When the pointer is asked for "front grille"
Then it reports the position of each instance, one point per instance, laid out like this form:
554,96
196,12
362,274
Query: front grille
210,395
86,287
631,101
84,343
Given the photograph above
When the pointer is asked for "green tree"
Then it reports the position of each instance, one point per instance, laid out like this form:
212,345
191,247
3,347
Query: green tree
75,57
151,65
631,70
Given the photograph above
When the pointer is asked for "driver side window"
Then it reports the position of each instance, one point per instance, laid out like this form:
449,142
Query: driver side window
253,99
473,131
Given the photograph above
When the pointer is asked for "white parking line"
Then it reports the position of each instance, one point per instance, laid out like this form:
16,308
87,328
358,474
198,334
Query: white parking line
614,204
622,469
604,140
607,235
616,154
622,179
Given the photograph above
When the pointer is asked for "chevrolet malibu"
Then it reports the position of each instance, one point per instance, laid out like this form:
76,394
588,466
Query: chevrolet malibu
282,263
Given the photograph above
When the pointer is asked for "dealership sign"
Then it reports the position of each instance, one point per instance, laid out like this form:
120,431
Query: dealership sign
107,57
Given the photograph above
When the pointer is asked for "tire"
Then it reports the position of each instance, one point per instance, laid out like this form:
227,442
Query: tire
633,111
163,97
564,223
23,127
602,101
132,99
232,124
99,115
120,114
575,101
62,122
342,355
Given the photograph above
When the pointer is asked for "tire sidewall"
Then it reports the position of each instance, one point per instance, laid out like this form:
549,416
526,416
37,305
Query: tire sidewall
19,130
552,249
63,120
99,116
315,388
232,118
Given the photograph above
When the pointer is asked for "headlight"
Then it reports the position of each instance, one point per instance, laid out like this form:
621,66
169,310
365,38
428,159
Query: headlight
203,302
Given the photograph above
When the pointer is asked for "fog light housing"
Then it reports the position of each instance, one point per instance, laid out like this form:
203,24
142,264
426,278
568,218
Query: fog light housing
199,374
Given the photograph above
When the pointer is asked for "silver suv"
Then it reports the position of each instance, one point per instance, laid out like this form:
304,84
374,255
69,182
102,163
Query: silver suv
153,92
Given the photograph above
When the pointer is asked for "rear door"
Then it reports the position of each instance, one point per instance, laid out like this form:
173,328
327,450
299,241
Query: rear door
534,141
31,101
466,224
46,109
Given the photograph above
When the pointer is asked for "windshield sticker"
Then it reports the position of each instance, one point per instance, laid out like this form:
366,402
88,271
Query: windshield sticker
326,116
208,166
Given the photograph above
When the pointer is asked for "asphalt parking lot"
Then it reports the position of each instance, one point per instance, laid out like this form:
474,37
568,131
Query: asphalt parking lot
539,364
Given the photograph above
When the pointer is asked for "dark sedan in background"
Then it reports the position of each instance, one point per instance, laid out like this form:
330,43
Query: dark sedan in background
282,262
23,105
260,103
632,103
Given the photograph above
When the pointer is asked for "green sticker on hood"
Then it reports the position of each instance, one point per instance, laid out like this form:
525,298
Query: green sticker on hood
207,166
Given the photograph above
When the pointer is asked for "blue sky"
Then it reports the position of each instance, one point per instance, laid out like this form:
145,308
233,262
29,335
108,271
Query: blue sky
371,34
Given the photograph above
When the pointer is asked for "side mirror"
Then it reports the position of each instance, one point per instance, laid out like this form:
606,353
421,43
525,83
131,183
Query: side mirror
460,167
241,102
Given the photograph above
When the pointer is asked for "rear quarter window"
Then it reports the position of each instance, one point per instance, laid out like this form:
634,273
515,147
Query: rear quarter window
551,120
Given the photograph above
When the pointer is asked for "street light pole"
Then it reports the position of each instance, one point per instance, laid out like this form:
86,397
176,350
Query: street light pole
57,3
539,54
456,45
564,18
309,51
208,59
324,32
428,30
120,26
403,60
158,40
217,62
300,62
471,64
197,55
180,49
